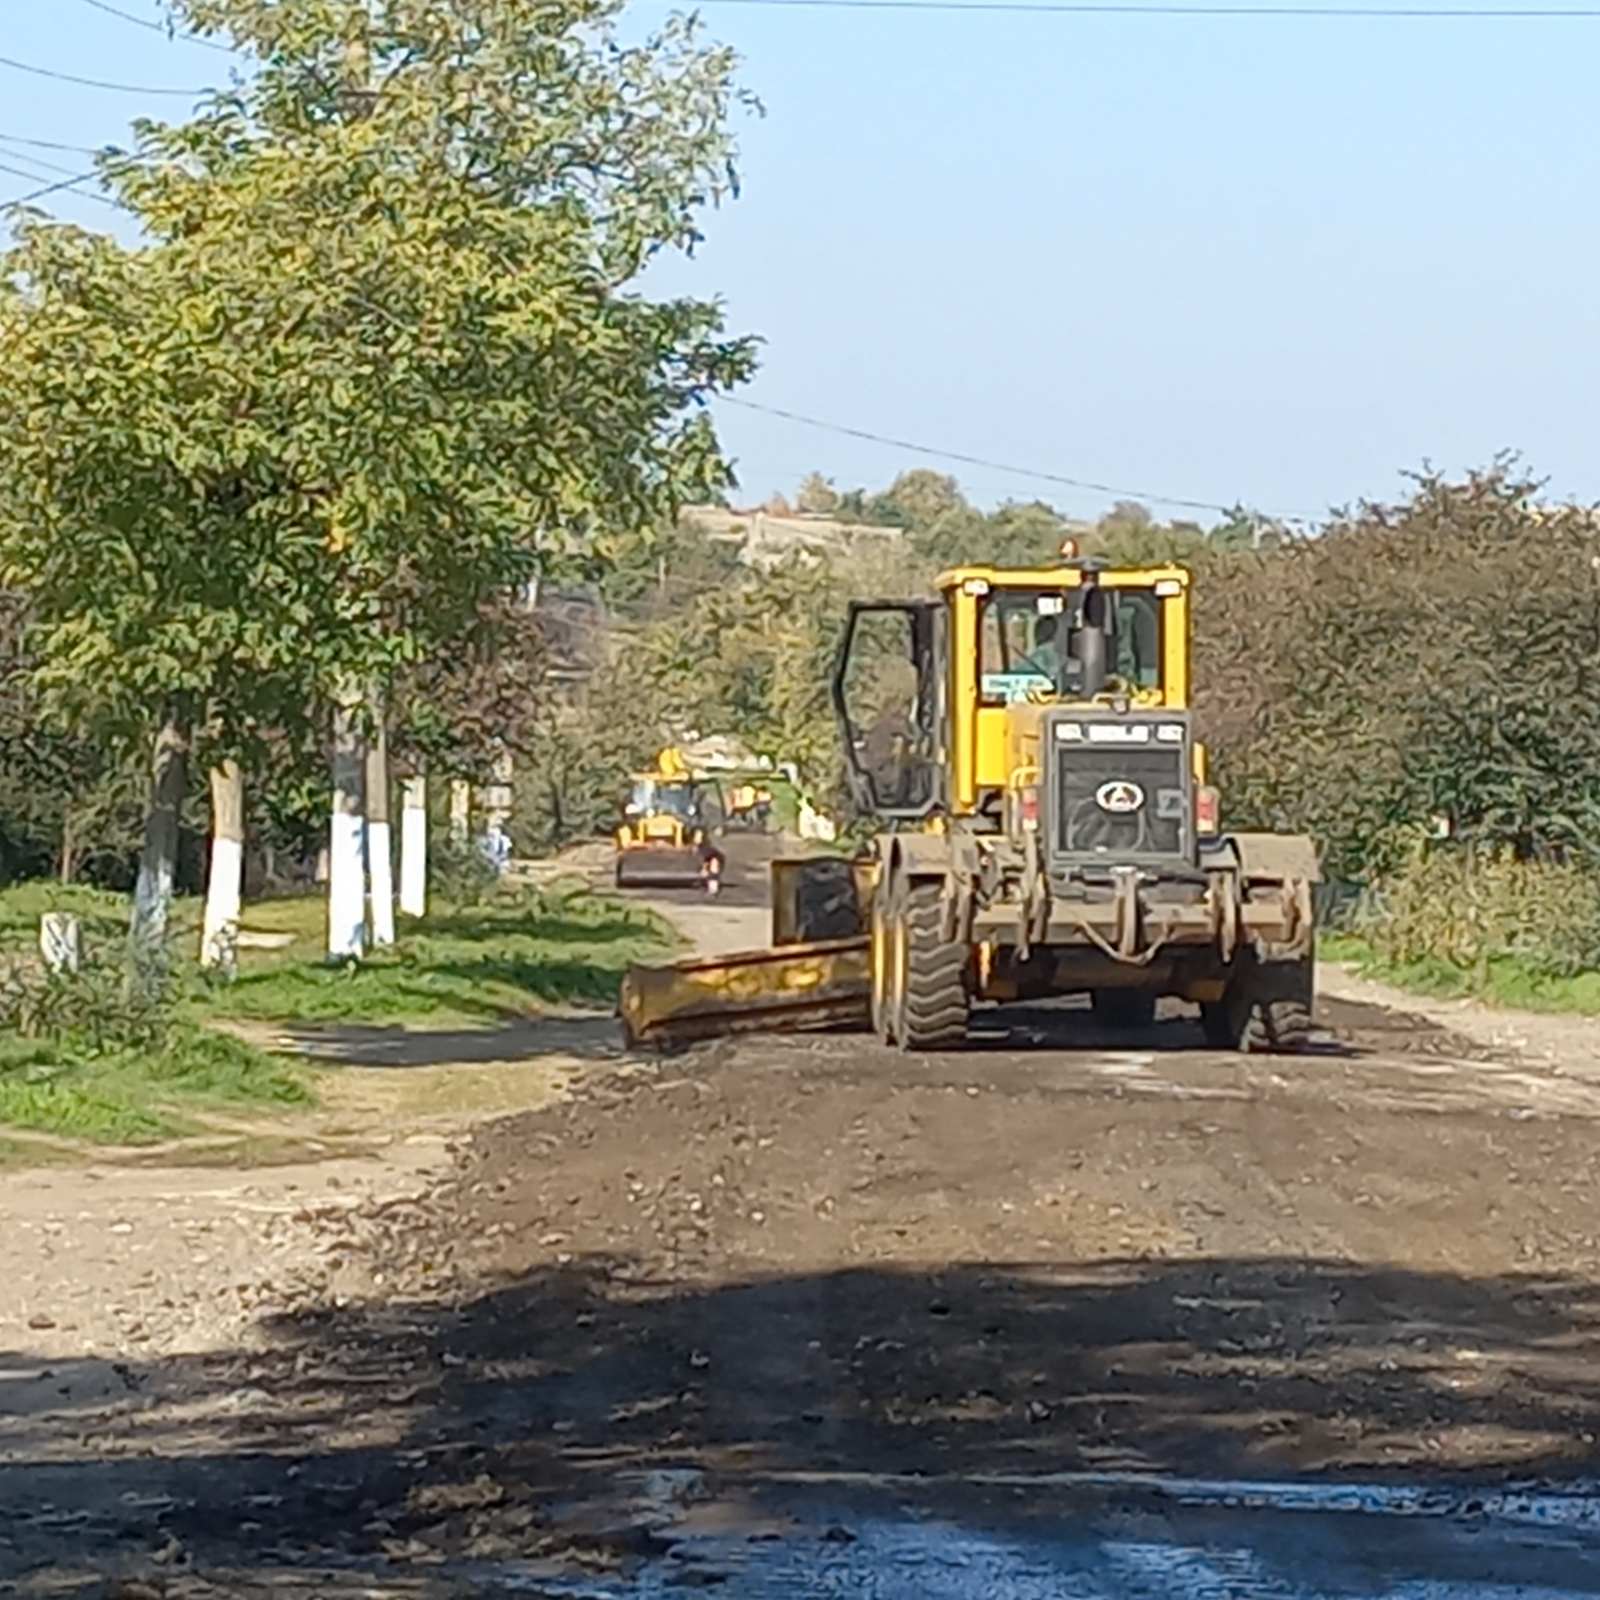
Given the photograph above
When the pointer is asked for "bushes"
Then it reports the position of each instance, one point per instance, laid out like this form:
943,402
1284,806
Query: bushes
1435,658
1471,909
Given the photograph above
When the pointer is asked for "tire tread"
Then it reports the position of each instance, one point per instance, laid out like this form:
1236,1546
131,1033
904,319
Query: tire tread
936,1003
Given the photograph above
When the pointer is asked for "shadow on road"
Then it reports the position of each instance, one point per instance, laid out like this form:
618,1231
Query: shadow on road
509,1426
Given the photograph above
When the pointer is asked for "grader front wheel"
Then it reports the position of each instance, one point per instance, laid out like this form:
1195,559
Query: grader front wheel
933,1000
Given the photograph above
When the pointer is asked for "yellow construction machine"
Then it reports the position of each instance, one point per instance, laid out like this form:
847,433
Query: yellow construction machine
1026,739
749,806
664,838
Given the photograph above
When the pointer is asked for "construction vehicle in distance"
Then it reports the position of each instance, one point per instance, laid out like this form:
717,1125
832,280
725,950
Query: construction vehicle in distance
1026,739
664,837
749,806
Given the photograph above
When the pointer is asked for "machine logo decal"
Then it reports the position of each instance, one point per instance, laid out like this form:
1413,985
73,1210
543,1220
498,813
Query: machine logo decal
1119,797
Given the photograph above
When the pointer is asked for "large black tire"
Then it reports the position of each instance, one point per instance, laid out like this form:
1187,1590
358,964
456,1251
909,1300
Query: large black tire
826,906
933,1009
1123,1008
1267,1009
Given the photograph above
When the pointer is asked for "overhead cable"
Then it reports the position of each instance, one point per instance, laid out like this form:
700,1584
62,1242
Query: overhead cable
1043,475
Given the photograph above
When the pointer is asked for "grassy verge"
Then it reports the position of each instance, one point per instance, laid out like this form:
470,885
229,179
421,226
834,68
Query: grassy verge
1500,981
513,954
79,1060
140,1093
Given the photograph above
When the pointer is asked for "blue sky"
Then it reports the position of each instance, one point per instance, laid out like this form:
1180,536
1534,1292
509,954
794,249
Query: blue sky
1276,260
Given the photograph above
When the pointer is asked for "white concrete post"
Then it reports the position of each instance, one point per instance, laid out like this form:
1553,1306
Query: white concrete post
460,811
60,941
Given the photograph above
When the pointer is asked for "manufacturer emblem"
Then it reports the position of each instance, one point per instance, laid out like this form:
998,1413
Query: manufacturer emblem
1119,797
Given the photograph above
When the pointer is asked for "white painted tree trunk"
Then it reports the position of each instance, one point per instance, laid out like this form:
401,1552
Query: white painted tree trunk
414,848
219,932
347,922
380,847
158,863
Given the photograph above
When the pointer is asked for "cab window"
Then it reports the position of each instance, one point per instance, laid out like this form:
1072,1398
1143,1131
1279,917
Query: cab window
1136,637
1026,643
1023,645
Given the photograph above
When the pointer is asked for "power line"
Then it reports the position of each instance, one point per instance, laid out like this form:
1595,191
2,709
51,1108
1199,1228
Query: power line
51,188
95,83
20,172
1114,9
34,161
55,144
1089,484
56,188
158,27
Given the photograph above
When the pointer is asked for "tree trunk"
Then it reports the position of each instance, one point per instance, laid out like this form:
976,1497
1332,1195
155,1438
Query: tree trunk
460,811
414,848
380,850
219,932
69,847
158,863
347,927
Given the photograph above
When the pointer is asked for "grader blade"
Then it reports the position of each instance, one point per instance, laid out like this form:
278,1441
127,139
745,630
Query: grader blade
793,987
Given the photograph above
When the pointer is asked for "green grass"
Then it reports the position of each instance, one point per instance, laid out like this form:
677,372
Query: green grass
104,915
133,1080
134,1095
1501,981
515,954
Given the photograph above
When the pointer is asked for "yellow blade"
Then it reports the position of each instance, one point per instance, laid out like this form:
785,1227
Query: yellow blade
824,984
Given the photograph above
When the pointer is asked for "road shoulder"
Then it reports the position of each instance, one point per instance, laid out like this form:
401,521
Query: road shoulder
1566,1044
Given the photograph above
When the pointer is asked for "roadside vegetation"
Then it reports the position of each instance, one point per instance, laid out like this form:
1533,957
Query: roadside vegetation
513,952
1483,924
89,1056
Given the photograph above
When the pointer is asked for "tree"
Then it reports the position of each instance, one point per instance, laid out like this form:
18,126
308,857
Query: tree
1432,658
818,495
919,498
377,363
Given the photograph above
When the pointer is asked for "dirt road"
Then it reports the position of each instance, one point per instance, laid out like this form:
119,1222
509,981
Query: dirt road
1065,1313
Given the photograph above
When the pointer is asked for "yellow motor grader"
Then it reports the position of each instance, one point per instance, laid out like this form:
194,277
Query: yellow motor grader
664,837
1025,737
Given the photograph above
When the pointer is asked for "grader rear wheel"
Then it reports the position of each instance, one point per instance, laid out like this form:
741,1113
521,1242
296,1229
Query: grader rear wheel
1267,1009
933,1000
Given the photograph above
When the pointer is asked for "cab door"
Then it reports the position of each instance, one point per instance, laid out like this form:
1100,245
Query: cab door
887,697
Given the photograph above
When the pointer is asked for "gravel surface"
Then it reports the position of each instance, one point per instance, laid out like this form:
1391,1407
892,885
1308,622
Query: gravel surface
688,1288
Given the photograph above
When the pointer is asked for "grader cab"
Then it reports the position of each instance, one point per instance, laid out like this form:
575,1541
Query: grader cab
1025,737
